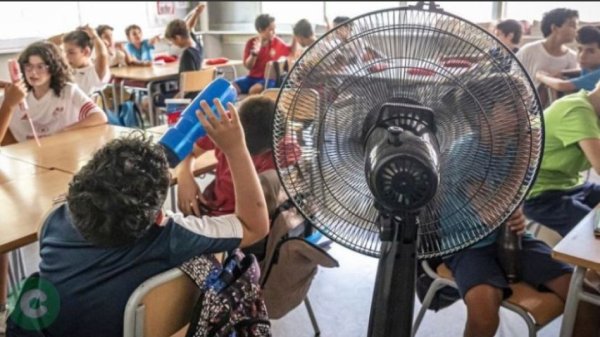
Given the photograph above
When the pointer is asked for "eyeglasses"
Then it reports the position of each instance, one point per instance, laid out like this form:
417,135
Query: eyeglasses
40,67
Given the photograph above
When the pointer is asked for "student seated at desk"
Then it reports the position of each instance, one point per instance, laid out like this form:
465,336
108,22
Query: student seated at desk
256,115
304,36
258,52
117,55
509,32
179,33
140,49
54,105
588,56
560,198
90,75
111,234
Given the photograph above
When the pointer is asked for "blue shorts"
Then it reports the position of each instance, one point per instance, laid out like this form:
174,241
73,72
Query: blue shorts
245,83
475,266
562,210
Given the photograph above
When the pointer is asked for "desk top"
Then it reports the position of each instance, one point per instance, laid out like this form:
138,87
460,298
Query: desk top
159,72
24,202
11,169
580,247
67,151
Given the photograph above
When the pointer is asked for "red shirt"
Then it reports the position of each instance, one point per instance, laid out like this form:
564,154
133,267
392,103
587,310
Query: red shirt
222,198
275,49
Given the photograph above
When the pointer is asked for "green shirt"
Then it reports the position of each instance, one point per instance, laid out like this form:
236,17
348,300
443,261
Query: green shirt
567,121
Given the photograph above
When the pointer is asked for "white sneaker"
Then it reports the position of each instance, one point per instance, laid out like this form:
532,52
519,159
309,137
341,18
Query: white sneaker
3,317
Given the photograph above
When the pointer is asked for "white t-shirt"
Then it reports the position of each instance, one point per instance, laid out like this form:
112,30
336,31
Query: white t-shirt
51,114
87,79
534,58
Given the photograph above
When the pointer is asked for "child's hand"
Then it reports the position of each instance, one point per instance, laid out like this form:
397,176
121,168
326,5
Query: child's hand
200,8
14,93
120,46
91,32
516,222
188,196
226,132
256,46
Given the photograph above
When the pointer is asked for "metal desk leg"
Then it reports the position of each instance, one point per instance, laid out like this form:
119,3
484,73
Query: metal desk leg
151,110
173,198
575,288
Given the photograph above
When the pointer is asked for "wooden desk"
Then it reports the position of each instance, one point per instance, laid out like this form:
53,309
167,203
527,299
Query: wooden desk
66,151
24,202
581,249
11,169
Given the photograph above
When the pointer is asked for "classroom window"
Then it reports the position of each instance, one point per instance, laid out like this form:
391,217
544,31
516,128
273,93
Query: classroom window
529,10
474,11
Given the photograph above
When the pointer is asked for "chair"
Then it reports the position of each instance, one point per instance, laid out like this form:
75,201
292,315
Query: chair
190,81
161,306
271,72
536,308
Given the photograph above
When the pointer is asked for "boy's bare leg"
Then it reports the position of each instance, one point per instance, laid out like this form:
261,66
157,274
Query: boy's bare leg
483,306
256,89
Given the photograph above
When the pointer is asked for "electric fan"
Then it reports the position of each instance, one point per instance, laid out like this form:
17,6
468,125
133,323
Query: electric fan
416,142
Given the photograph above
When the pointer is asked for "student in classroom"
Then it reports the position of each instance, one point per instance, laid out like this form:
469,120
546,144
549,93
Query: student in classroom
559,27
117,55
54,105
100,246
588,56
179,32
256,116
258,51
137,47
509,32
90,75
304,36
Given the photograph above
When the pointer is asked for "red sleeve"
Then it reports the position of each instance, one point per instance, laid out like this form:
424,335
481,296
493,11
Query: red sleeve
205,143
247,49
282,48
289,150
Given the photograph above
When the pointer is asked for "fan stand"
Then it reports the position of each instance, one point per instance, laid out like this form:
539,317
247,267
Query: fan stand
394,294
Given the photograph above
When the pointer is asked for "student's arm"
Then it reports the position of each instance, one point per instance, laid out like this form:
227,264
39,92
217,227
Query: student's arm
102,60
555,83
13,95
154,40
193,19
250,204
57,39
591,149
251,53
188,191
84,111
92,119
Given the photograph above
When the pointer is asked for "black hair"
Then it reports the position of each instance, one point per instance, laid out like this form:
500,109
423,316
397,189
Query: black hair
256,115
102,28
177,27
588,34
263,22
303,28
115,198
511,26
79,38
53,58
338,20
130,28
556,17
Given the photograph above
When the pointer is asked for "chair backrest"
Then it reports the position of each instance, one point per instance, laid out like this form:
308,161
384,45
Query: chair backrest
271,72
196,80
160,306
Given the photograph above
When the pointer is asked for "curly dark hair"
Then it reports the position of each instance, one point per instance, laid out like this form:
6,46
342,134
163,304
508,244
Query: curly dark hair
59,70
263,22
115,198
256,115
556,17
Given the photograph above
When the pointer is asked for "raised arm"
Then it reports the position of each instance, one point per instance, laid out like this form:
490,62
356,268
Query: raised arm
252,55
250,205
14,93
102,61
195,15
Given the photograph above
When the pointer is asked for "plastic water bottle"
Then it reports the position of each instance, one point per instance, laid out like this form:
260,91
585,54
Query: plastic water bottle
509,248
178,141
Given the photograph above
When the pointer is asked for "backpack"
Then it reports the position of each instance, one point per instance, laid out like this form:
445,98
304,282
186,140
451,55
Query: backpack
230,303
442,298
128,115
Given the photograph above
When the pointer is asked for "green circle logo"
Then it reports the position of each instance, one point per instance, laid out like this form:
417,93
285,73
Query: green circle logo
36,306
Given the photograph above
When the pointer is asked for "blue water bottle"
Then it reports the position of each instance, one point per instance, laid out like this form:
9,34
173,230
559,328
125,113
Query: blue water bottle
178,141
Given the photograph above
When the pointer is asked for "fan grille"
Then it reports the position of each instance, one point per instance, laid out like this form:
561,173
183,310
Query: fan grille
487,124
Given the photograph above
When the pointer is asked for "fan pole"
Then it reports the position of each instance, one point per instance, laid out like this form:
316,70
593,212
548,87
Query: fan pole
394,294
